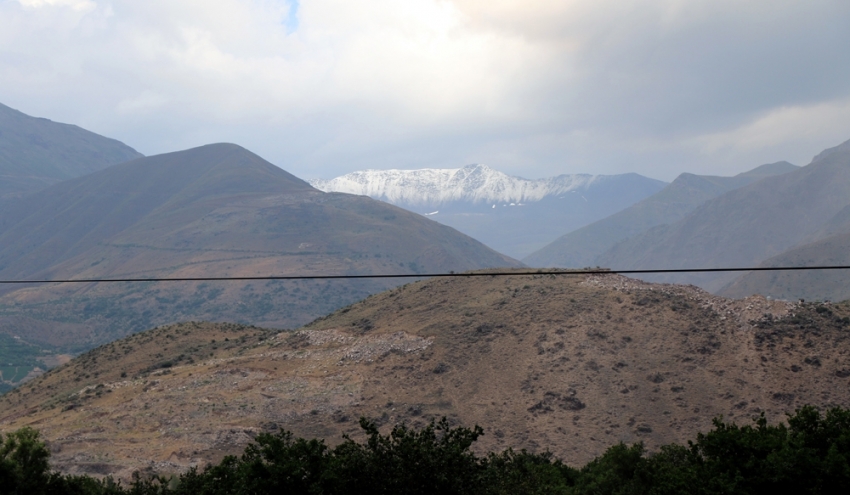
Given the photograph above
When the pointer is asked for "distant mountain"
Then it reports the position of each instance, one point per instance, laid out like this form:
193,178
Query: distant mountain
35,152
510,214
811,285
217,210
436,187
581,248
746,226
832,249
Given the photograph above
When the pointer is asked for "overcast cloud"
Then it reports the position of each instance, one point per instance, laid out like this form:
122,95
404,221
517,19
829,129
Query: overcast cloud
324,87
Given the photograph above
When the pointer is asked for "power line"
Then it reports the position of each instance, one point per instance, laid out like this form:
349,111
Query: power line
598,271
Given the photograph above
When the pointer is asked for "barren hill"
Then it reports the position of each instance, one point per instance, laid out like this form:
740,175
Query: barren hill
572,364
582,247
35,153
217,210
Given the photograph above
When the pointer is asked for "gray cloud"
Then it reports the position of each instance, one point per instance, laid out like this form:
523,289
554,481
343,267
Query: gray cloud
534,89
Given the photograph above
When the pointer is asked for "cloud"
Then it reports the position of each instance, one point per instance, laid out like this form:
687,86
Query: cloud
145,102
324,86
73,4
822,124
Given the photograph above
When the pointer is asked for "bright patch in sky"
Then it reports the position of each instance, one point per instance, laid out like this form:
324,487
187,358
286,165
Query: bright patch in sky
291,21
74,4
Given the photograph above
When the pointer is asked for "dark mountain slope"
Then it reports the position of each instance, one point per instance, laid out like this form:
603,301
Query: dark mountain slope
164,190
35,152
582,247
746,226
832,249
218,210
817,285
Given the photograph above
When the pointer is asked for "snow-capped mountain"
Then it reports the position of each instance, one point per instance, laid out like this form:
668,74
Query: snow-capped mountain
510,214
475,184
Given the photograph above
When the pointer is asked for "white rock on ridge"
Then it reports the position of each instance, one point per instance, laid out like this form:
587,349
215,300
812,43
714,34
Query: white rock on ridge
472,183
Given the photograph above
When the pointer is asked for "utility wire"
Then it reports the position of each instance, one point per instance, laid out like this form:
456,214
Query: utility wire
598,271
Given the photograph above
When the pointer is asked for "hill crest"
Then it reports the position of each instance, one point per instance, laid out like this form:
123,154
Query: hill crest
37,152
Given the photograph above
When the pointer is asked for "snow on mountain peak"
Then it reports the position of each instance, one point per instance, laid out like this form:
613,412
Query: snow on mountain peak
472,183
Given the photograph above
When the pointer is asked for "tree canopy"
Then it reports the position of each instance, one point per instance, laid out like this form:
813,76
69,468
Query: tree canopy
809,454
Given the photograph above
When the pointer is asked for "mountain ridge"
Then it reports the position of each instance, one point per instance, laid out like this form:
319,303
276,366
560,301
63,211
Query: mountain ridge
36,152
810,285
745,226
474,183
582,247
216,210
510,214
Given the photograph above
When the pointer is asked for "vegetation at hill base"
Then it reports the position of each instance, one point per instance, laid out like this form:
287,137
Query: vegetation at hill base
18,360
811,454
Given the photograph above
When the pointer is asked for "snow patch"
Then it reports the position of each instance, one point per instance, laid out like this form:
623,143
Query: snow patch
473,183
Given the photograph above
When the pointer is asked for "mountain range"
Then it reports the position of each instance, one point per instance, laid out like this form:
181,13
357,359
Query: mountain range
512,215
217,210
777,215
570,363
583,247
36,152
748,225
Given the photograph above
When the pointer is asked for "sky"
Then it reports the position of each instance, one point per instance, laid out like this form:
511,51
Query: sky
532,88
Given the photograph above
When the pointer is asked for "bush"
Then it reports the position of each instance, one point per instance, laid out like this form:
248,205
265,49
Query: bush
811,454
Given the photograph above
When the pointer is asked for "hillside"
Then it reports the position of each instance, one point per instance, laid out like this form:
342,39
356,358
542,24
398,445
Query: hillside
832,249
814,285
217,210
36,153
510,214
572,364
746,226
582,247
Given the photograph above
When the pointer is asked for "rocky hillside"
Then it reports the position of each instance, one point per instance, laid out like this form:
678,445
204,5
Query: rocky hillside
36,153
510,214
568,363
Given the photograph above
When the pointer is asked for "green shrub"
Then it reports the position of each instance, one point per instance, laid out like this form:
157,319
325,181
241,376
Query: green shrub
811,454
